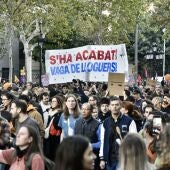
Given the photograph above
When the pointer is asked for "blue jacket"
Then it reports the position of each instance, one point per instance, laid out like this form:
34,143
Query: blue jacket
110,136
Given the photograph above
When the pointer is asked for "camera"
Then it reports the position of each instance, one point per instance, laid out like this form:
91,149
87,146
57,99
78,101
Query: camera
157,124
151,129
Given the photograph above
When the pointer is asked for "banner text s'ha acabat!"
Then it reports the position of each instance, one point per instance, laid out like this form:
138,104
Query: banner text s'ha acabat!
85,62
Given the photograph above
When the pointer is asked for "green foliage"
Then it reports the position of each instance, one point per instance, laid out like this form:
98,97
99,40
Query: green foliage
84,20
79,20
161,16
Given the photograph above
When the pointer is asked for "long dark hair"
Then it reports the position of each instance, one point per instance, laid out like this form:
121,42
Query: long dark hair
76,109
34,147
59,101
70,153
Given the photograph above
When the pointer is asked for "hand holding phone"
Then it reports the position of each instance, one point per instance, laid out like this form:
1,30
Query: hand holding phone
157,121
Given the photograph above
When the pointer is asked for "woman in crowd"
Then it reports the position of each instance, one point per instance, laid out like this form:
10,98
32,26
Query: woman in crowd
4,138
27,147
93,100
52,142
132,111
127,108
95,112
132,154
6,98
163,160
150,138
70,114
75,153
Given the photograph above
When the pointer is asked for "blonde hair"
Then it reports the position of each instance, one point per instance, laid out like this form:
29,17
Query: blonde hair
132,153
156,100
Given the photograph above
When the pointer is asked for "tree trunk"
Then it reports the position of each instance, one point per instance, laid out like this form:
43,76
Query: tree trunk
28,62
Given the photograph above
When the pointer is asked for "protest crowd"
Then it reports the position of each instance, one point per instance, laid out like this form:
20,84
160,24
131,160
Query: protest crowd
80,126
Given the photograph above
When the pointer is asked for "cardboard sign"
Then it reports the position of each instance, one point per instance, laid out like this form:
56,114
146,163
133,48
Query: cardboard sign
116,82
150,82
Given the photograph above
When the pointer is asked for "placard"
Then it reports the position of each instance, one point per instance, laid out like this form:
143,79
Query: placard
116,83
150,82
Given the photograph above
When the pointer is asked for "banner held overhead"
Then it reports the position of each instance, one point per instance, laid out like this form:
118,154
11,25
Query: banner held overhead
87,63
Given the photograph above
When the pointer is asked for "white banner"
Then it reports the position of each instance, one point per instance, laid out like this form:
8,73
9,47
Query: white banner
87,63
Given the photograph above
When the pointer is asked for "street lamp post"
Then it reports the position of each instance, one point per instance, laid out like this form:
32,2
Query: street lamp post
164,58
164,30
154,55
136,49
154,69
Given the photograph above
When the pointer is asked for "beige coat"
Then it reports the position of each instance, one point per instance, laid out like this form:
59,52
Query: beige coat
33,113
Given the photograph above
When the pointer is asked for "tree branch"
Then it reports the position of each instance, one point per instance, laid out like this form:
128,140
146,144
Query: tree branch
6,4
33,46
29,26
19,4
35,33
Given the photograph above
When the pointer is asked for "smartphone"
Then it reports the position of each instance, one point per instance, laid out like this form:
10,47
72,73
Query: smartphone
157,121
